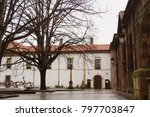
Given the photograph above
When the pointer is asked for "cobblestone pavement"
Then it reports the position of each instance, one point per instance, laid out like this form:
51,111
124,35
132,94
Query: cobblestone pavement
71,95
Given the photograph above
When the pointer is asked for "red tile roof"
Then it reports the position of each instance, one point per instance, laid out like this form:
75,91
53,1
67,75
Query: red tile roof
87,48
71,49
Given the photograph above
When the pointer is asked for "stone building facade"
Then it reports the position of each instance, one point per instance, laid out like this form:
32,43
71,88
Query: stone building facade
130,50
93,70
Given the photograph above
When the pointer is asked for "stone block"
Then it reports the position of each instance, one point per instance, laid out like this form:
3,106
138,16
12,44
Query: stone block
141,82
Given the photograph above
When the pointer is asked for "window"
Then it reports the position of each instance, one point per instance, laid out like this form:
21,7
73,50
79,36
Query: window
7,78
97,63
69,63
8,63
7,81
28,65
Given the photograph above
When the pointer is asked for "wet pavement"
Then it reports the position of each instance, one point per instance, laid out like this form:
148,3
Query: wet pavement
71,95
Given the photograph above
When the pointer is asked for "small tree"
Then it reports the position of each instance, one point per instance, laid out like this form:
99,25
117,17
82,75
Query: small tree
65,24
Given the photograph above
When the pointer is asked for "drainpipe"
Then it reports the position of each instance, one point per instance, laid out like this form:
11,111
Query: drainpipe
84,72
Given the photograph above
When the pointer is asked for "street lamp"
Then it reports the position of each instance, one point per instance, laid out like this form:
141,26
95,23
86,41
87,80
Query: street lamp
70,66
112,60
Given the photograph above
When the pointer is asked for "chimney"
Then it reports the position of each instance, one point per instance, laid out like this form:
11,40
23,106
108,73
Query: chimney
91,40
61,41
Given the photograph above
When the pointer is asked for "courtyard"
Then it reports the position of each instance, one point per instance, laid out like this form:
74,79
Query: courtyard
71,95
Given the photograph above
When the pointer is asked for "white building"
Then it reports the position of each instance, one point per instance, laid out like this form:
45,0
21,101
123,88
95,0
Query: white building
94,70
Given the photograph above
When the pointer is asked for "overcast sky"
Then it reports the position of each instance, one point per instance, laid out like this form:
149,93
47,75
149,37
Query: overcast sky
107,24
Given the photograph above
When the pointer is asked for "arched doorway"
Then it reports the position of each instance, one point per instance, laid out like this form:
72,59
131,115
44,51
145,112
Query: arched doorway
97,82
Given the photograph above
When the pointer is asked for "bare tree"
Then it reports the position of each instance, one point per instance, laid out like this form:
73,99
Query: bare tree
65,24
13,22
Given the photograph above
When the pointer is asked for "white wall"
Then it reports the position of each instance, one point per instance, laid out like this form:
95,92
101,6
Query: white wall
17,72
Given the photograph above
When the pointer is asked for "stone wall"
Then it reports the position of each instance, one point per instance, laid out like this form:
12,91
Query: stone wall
133,55
149,91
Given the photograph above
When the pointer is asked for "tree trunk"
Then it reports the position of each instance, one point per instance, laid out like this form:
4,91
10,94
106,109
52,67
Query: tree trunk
43,80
